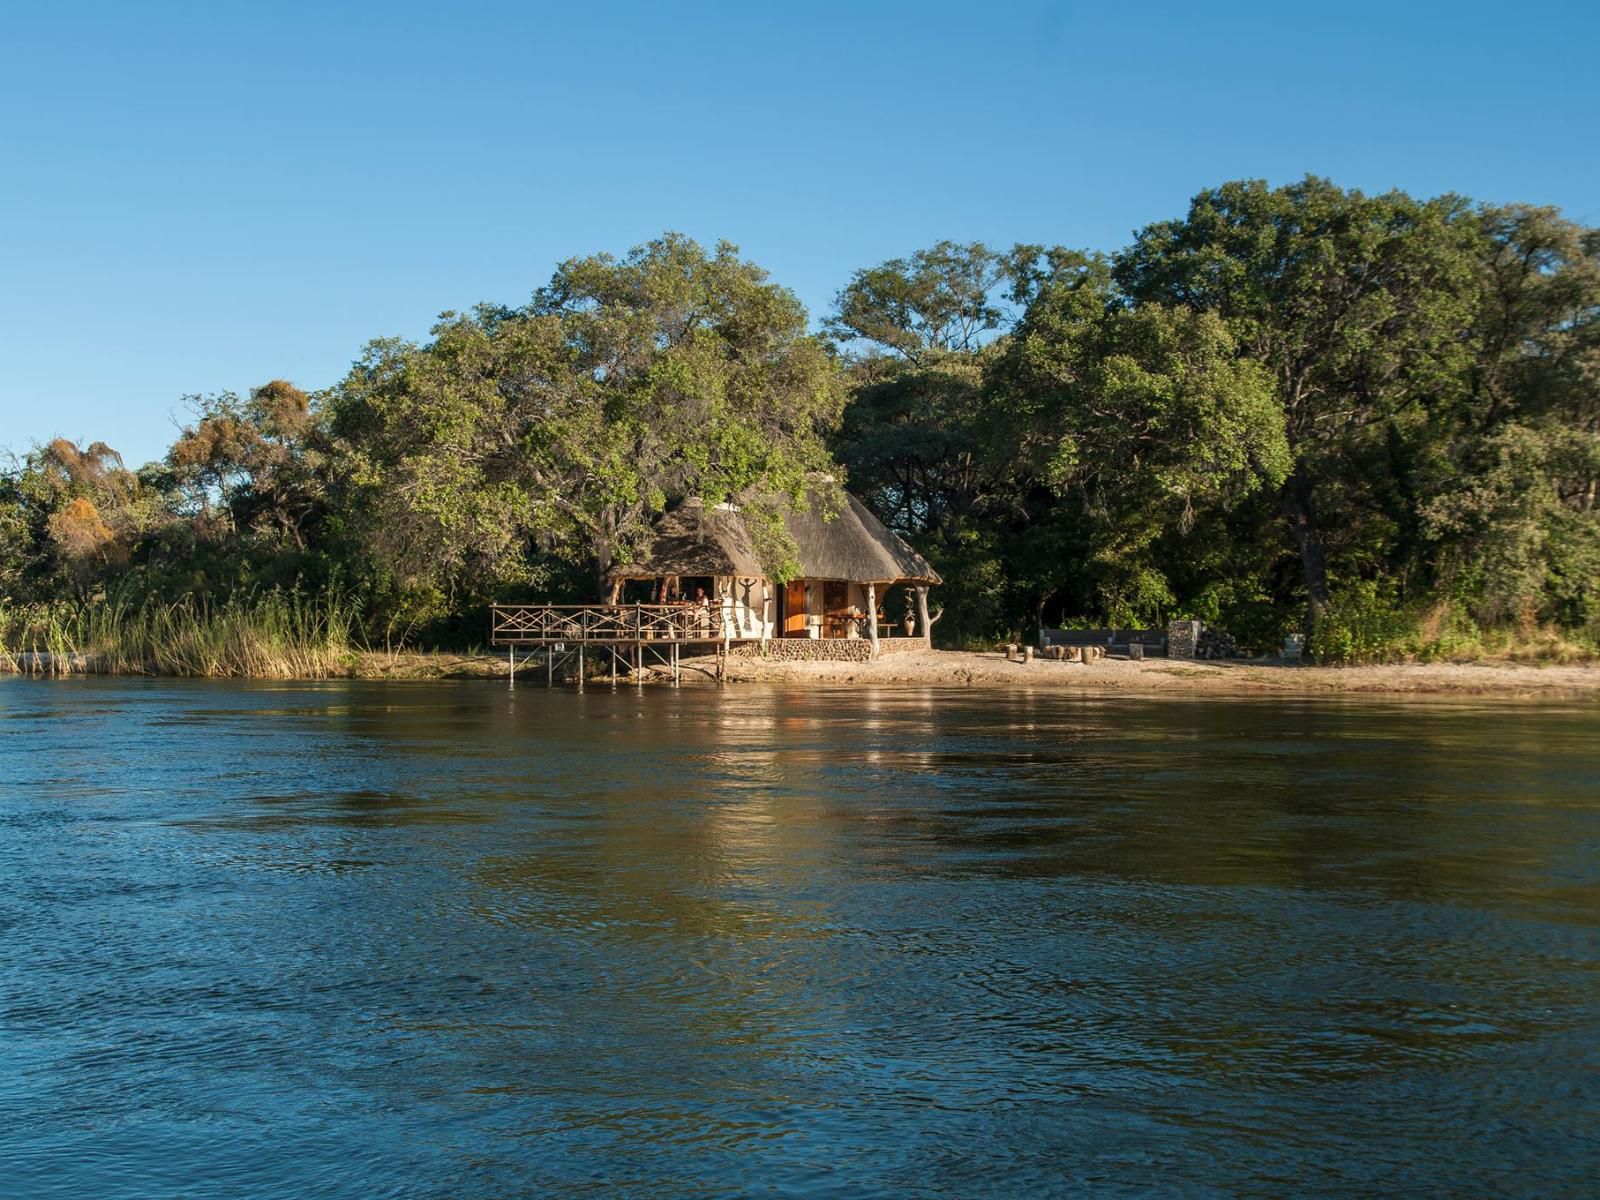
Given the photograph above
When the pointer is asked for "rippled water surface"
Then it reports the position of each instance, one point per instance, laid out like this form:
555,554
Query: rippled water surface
457,941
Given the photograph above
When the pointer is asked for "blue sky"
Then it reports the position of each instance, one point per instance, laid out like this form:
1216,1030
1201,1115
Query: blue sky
198,197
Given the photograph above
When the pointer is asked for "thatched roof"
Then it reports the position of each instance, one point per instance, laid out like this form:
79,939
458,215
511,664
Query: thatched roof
852,545
695,540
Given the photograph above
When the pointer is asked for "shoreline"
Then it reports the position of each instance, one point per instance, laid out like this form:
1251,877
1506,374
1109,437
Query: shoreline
1183,677
994,672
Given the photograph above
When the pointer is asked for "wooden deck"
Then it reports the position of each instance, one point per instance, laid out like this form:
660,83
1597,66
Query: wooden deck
610,625
634,637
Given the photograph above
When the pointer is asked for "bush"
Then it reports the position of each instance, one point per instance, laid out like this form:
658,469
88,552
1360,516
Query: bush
1363,623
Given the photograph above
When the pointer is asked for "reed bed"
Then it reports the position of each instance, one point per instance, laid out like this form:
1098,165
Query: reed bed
268,636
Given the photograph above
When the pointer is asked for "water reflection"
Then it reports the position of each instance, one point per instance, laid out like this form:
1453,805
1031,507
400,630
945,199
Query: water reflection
453,941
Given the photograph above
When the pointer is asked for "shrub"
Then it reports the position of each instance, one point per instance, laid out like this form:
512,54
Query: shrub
1363,623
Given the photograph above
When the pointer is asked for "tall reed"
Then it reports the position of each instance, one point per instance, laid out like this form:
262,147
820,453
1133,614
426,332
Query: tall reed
271,635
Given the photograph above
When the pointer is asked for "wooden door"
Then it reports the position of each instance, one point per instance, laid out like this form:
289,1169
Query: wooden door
794,609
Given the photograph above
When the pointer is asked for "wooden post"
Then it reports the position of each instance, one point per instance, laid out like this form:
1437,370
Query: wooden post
549,666
513,676
872,617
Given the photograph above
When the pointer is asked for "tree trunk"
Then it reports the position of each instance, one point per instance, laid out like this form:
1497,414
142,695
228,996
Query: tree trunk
925,622
872,617
1299,504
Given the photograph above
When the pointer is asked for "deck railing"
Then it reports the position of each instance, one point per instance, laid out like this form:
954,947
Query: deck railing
613,624
549,624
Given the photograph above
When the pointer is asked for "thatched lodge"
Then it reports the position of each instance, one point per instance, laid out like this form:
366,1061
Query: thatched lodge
850,566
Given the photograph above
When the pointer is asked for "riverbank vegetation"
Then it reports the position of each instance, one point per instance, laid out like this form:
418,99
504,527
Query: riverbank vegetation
276,636
1370,420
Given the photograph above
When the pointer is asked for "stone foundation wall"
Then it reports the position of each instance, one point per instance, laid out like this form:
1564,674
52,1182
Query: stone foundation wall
806,650
826,649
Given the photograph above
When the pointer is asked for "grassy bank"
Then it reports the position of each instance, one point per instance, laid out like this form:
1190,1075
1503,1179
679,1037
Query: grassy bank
1365,626
273,635
270,636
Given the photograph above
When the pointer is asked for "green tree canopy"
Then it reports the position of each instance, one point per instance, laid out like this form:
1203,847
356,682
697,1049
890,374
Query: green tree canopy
1357,305
1141,418
1290,408
563,428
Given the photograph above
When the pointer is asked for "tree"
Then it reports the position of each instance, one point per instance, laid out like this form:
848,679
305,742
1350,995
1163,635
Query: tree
1512,508
558,431
917,333
1140,418
81,511
255,460
18,543
920,331
1357,305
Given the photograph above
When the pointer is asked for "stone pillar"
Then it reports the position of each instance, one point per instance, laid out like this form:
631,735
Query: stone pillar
1183,638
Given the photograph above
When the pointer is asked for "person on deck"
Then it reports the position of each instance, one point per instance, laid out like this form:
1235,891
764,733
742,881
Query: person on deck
702,604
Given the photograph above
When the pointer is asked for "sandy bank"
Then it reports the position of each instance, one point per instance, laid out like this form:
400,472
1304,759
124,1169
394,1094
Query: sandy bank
940,668
949,668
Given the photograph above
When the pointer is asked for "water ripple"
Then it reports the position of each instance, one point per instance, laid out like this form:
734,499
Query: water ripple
454,941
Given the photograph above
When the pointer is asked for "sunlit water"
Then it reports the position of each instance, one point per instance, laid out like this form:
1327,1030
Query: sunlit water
458,941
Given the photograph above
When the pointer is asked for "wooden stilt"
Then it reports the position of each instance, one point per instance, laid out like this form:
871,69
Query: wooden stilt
549,666
512,677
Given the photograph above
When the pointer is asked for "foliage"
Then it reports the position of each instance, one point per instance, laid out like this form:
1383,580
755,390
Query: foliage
253,463
73,516
521,441
1139,418
1363,623
1372,420
1355,303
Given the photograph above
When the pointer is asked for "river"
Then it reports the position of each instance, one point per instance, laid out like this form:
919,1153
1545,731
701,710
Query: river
459,940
